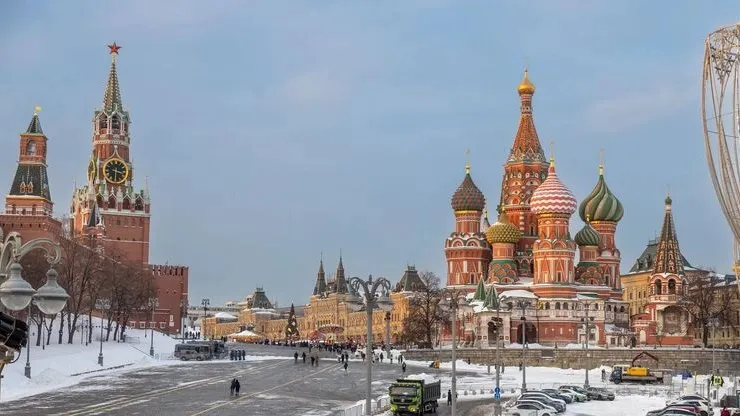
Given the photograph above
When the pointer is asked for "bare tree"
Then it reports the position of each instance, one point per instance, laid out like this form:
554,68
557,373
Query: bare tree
78,272
706,299
425,314
35,266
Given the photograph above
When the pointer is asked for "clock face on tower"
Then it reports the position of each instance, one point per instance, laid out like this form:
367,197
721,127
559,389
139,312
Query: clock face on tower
115,171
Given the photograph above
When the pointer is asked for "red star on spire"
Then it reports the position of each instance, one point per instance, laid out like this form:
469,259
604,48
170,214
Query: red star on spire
114,48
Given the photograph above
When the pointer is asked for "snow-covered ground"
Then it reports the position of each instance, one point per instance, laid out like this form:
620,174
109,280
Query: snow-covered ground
57,365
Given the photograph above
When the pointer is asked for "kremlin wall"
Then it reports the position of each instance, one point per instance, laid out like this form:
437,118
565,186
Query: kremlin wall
525,269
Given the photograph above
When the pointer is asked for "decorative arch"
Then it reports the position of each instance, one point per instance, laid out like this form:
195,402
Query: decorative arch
139,204
671,286
112,201
103,122
99,200
115,122
126,203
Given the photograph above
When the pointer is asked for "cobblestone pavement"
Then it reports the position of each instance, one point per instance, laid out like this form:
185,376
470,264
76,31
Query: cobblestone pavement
269,387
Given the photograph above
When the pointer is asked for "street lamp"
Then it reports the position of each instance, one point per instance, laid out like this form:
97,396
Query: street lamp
102,305
369,299
451,300
153,305
205,302
388,331
586,326
17,294
523,305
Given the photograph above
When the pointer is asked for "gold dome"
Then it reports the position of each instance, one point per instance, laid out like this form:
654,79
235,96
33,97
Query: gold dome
526,86
502,231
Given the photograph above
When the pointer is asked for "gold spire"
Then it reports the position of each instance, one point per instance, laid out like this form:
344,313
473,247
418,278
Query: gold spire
526,86
601,162
467,161
36,110
552,154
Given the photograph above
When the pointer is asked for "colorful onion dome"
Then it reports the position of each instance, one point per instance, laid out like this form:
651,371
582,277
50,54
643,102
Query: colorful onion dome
502,231
552,196
601,204
468,197
588,236
526,86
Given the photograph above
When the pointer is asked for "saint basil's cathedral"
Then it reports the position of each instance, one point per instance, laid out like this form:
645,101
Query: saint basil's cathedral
526,261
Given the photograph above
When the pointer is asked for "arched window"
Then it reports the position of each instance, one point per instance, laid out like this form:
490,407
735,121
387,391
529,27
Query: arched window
139,205
565,306
112,201
658,287
621,309
596,306
103,123
126,203
671,286
547,305
99,199
115,123
557,306
31,148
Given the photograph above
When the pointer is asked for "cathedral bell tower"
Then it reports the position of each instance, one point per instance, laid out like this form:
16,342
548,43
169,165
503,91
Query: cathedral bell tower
108,198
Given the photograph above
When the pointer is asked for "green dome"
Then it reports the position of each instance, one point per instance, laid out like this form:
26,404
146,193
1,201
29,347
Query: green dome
588,236
502,231
601,204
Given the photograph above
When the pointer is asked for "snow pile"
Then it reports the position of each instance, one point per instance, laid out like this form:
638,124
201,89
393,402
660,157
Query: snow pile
427,378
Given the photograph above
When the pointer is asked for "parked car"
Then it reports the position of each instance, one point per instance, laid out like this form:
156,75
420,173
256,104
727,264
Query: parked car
558,404
559,394
600,393
577,397
682,409
540,403
578,389
705,409
530,409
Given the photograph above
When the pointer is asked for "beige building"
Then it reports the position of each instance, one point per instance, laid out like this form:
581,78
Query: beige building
328,316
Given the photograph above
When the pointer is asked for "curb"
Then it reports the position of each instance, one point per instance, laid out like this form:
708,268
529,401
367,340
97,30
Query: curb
102,369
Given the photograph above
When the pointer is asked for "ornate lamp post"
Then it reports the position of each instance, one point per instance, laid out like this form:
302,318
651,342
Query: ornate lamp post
587,329
102,305
388,331
153,304
205,302
451,300
369,299
16,294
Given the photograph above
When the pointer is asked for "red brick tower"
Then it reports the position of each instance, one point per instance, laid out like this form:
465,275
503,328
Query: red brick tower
28,205
109,200
468,254
553,251
525,169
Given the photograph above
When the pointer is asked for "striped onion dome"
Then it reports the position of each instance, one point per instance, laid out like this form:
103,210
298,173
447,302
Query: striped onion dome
552,196
588,236
601,204
468,197
502,231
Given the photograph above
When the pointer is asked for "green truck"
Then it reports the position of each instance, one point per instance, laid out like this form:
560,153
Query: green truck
414,397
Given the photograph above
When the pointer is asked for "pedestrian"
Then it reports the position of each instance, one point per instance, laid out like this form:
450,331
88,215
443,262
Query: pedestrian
381,357
520,366
231,355
449,397
345,367
295,355
468,360
312,361
304,357
233,387
238,386
403,368
603,375
725,411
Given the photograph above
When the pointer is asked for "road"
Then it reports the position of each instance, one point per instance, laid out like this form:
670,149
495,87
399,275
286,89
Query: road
269,387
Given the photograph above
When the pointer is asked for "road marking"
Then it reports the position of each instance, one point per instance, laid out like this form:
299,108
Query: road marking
327,368
127,401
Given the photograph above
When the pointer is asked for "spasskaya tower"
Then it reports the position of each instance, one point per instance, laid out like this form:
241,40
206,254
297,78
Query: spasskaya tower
108,207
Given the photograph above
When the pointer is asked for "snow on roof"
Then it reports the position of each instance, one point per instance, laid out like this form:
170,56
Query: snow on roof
518,293
245,333
224,315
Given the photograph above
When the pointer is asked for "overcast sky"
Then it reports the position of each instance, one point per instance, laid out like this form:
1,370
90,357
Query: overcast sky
272,131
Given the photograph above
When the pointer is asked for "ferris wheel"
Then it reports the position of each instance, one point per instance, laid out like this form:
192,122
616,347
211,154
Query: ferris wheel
720,102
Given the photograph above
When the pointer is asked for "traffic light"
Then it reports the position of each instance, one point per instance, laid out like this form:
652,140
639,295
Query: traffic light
13,332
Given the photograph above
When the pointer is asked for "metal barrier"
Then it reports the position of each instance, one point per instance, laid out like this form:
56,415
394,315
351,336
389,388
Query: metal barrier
378,405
